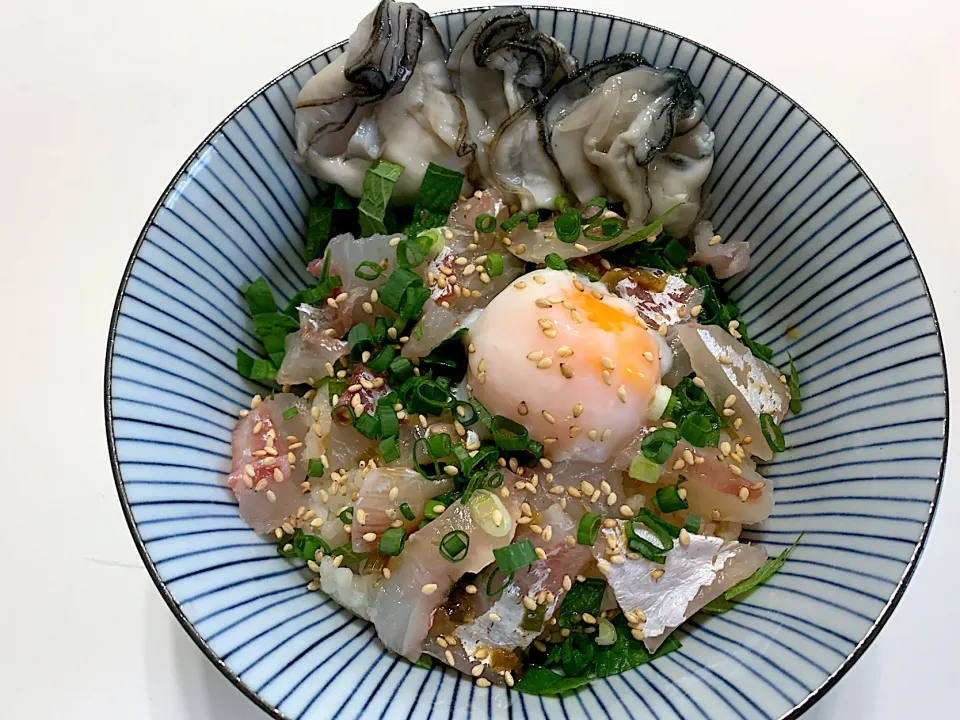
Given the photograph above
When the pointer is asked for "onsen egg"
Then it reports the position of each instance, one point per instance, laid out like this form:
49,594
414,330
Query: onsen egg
567,359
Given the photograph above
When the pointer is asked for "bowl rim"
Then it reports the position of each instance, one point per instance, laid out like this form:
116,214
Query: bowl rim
817,693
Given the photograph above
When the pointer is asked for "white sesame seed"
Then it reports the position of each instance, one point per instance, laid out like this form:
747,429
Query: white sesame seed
548,417
429,589
271,496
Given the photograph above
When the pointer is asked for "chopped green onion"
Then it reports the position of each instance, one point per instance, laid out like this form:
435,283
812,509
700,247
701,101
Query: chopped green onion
306,546
532,221
380,362
410,253
645,470
486,419
367,425
514,220
368,270
434,507
412,305
555,262
494,590
494,264
389,422
486,223
659,445
392,541
509,435
360,339
422,443
561,203
393,290
515,556
390,449
657,524
567,226
378,184
675,252
465,413
593,219
335,387
588,529
668,499
346,515
407,512
693,524
290,413
455,545
793,382
696,429
611,228
343,414
439,445
646,548
772,433
400,369
661,398
606,633
429,398
424,661
315,468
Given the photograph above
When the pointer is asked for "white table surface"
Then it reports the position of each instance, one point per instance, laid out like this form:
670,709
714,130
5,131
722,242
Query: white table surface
100,103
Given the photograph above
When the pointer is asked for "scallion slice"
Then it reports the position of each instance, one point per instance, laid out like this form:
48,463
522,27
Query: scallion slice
368,270
343,414
646,548
389,422
486,223
511,222
693,524
555,262
420,449
657,524
290,413
360,339
465,413
593,218
346,515
407,512
455,545
392,541
696,429
380,362
433,508
428,398
659,445
561,203
400,369
668,499
610,229
315,468
588,529
509,435
492,588
644,470
515,556
567,226
532,221
410,253
772,433
793,382
494,264
393,290
439,445
367,425
390,449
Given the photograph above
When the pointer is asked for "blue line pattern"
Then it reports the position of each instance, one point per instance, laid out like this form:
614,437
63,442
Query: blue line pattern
832,282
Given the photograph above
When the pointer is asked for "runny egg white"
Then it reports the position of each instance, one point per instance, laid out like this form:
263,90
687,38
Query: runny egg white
568,360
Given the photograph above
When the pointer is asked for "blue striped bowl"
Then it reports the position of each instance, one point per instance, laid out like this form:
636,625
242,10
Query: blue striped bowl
833,281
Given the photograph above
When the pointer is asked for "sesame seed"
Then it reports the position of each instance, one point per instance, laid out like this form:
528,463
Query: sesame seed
429,589
679,464
729,412
744,493
535,355
545,363
277,475
725,447
648,356
271,496
662,330
699,382
541,553
606,434
737,423
724,359
682,493
520,285
548,417
730,401
448,656
627,511
715,240
607,363
657,574
581,247
622,393
612,499
493,617
670,424
577,410
316,522
574,492
576,316
688,456
607,377
735,470
618,559
483,683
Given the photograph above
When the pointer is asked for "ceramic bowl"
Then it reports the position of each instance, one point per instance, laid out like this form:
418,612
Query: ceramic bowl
832,281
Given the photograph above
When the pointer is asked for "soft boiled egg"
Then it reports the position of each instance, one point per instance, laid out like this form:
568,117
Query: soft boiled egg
567,359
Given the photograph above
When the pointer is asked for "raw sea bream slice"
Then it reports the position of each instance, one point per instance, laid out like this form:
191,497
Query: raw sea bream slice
667,595
266,484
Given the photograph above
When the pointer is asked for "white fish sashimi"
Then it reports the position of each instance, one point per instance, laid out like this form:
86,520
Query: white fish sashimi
727,367
402,610
378,510
692,575
267,485
727,258
457,276
310,351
